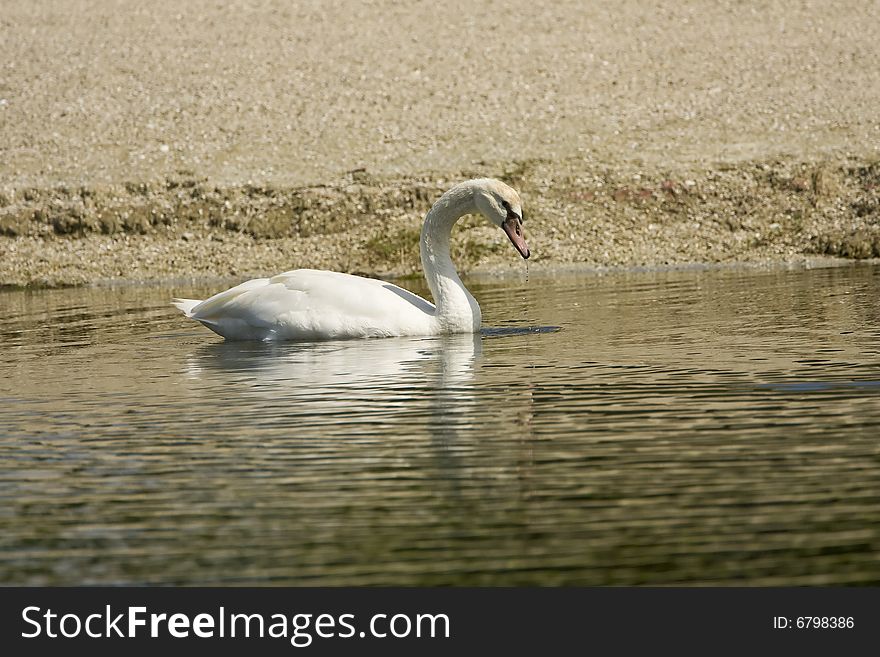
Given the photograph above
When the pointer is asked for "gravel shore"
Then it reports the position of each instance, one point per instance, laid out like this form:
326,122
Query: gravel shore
204,139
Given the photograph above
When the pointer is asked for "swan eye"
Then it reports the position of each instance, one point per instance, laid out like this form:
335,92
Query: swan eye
510,212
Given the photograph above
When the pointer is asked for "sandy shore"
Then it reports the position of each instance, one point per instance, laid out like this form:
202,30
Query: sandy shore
215,139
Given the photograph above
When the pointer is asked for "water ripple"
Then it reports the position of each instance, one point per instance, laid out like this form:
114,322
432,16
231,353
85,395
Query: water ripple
653,428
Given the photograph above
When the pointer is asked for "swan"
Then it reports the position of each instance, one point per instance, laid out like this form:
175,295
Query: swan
308,305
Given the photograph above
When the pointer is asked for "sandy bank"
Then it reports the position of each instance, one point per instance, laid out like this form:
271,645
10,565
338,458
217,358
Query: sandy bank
187,227
204,138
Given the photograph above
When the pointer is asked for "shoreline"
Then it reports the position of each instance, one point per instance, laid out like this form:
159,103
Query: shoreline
480,275
582,217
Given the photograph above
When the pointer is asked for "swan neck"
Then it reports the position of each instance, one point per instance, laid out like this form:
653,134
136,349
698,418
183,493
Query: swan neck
456,309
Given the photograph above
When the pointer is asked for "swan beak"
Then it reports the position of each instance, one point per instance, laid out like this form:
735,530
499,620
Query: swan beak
513,227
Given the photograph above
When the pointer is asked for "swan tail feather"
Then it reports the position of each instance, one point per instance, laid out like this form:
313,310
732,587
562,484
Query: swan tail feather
186,305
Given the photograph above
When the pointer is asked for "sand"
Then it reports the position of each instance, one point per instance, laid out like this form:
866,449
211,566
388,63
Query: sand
142,141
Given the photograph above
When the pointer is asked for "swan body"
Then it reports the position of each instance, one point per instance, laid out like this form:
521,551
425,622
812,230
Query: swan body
306,304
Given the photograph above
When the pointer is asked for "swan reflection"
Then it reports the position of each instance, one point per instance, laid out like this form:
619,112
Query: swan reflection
345,369
413,403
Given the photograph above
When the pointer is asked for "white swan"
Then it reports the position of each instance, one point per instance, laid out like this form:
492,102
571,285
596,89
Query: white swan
306,304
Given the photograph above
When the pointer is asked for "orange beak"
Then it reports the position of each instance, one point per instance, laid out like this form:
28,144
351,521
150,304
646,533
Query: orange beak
514,229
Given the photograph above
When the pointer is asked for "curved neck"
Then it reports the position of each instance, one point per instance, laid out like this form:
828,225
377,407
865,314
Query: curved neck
456,309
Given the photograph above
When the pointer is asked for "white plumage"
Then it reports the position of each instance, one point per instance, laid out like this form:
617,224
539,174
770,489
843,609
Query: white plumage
306,304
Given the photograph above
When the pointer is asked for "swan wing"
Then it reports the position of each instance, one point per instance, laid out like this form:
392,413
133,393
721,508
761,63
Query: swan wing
307,304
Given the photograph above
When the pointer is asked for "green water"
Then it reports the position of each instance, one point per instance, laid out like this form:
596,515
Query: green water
680,428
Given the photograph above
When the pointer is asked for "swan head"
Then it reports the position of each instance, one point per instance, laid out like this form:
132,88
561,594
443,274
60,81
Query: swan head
501,205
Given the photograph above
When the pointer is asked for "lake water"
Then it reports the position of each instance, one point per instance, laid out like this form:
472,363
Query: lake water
687,427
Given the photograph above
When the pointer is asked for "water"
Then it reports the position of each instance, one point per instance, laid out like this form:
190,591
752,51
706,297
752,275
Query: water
679,428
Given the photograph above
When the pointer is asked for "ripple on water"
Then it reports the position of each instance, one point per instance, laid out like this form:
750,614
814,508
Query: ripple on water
652,428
